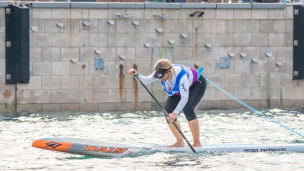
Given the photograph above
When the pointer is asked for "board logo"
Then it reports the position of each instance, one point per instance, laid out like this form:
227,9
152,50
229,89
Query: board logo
264,150
53,144
105,149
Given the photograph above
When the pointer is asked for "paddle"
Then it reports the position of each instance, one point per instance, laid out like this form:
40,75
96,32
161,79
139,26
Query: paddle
166,114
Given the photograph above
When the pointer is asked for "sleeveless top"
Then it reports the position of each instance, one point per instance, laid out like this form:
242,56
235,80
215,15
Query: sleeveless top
175,90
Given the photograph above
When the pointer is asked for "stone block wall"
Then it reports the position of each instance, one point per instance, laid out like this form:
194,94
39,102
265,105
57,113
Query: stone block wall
66,41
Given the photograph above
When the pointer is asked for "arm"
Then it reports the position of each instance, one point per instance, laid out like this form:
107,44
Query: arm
184,93
145,79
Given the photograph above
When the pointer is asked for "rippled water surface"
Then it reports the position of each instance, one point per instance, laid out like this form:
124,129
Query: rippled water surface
149,128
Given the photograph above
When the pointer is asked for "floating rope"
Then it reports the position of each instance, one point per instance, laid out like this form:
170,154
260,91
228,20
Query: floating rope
253,109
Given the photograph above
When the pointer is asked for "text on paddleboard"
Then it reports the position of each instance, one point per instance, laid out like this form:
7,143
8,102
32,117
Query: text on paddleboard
264,149
105,149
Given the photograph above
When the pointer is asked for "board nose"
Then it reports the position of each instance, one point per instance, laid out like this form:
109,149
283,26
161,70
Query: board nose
52,145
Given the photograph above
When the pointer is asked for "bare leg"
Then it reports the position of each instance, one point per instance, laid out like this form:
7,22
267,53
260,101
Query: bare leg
179,138
194,127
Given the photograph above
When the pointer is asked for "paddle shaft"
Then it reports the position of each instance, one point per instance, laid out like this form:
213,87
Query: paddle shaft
166,114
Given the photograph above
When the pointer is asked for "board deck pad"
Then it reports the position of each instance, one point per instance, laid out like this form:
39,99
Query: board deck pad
95,147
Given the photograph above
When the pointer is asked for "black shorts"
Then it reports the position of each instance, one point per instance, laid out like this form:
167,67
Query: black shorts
195,95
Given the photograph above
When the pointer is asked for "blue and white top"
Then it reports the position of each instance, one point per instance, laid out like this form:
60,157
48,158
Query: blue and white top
182,79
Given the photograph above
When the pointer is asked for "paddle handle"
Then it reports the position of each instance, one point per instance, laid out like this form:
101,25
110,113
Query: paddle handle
166,114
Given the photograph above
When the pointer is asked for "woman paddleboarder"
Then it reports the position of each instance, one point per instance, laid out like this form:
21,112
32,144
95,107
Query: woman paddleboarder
185,88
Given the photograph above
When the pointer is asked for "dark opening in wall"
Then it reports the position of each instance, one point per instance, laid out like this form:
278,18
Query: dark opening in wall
17,40
298,42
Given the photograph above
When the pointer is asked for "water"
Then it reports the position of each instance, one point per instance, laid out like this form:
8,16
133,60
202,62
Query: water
149,128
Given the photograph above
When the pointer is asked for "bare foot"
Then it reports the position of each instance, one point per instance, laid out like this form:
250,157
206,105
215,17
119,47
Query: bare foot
177,144
197,145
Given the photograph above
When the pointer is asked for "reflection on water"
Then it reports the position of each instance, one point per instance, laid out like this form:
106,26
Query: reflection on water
149,128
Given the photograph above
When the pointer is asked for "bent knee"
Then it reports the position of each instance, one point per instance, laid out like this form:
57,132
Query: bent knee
191,118
190,114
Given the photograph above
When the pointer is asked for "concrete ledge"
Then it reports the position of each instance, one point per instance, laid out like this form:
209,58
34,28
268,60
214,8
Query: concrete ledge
50,5
234,6
197,5
268,6
150,5
126,5
175,6
3,4
88,5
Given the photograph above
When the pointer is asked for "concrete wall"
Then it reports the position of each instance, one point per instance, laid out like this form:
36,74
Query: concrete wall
59,35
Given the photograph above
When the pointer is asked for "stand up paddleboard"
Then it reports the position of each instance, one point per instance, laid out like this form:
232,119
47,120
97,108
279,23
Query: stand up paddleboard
114,149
